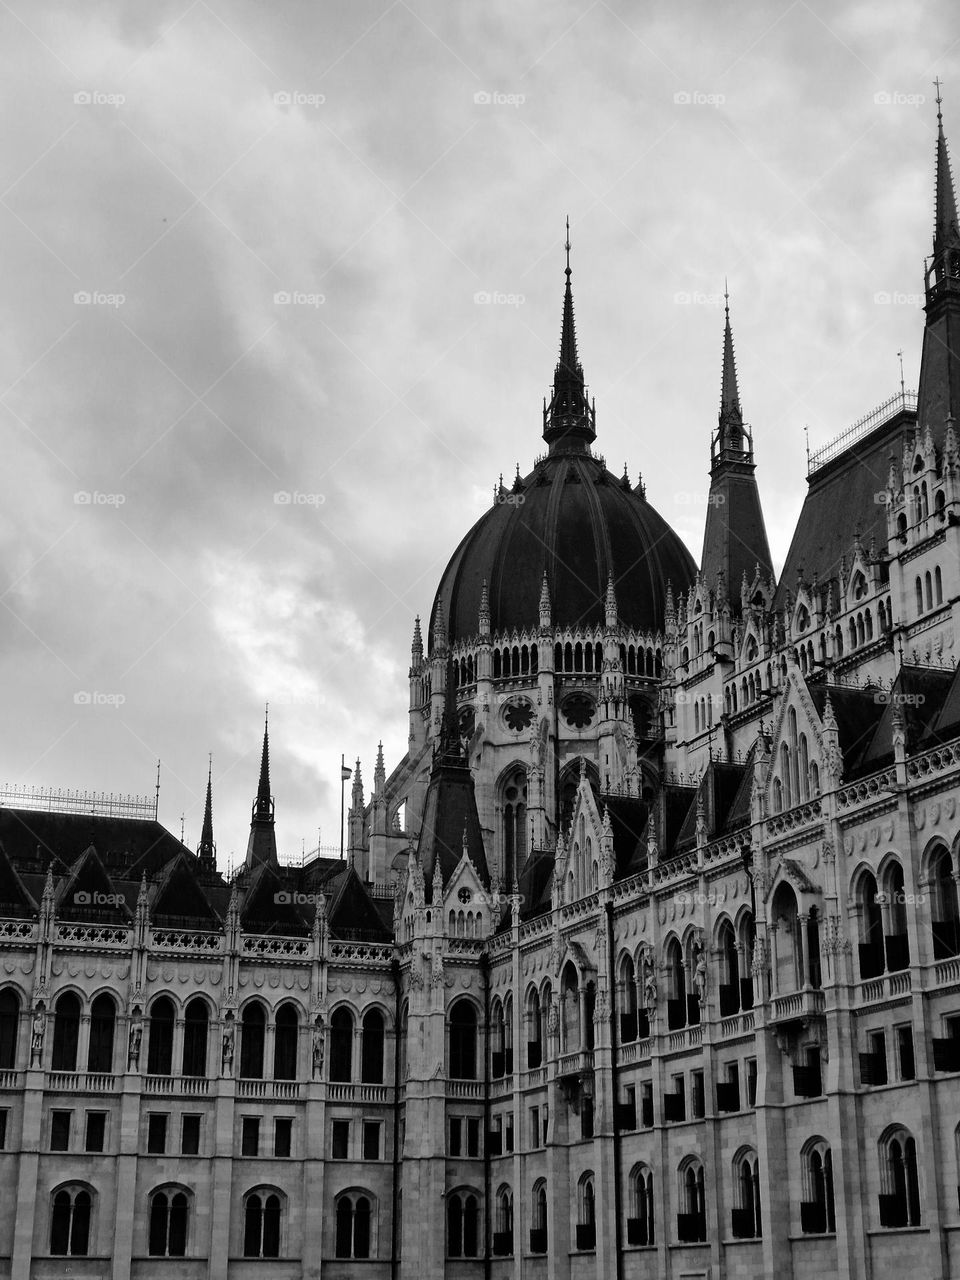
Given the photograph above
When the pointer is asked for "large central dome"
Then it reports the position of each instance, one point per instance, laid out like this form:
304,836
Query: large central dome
573,520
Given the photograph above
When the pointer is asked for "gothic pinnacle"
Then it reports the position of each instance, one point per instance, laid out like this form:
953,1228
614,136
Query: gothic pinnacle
545,606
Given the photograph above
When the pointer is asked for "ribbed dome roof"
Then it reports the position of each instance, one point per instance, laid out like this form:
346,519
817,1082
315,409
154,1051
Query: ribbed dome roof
577,521
571,518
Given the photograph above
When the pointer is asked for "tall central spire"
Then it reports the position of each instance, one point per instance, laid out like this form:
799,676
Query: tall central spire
208,849
569,421
731,442
939,388
262,844
946,233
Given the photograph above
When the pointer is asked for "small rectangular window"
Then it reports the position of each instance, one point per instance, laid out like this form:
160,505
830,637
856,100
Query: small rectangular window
250,1136
96,1130
60,1130
456,1142
156,1133
3,1130
371,1140
190,1135
534,1126
341,1139
508,1132
473,1137
908,1070
282,1137
546,1122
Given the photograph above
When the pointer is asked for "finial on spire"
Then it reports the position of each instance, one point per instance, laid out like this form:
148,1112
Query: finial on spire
937,82
207,849
568,272
569,417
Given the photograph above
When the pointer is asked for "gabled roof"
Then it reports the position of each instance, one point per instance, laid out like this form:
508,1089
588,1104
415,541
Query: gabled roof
268,904
179,897
535,883
86,892
720,788
628,820
352,914
15,900
450,808
858,712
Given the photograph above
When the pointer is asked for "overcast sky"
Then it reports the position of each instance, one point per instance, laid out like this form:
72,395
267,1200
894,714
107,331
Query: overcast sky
182,164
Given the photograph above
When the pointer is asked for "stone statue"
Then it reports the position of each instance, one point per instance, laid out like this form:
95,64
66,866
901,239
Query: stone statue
700,974
39,1026
649,984
227,1051
136,1036
553,1018
318,1048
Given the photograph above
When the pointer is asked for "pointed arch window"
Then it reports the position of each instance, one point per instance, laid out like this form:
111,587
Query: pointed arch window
640,1227
70,1214
66,1032
103,1018
538,1219
9,1028
371,1047
262,1212
463,1225
353,1219
817,1214
746,1220
463,1041
514,824
196,1026
160,1047
286,1041
253,1027
341,1045
899,1180
169,1211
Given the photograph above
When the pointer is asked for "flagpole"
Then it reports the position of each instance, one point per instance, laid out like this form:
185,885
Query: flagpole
343,779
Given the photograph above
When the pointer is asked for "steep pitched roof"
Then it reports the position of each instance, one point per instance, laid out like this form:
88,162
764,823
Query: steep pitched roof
87,892
179,897
15,900
352,914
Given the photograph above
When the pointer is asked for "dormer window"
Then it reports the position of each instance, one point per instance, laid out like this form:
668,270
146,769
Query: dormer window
803,618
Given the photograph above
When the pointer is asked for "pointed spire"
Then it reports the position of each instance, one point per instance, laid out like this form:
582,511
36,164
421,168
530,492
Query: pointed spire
262,844
379,772
611,602
484,612
207,850
946,234
356,791
569,421
263,805
416,648
545,605
729,391
439,629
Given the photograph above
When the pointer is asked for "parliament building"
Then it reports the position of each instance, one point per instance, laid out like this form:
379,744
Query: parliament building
644,961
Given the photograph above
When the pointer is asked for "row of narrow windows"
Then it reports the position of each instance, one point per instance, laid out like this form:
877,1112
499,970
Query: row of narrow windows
929,590
195,1058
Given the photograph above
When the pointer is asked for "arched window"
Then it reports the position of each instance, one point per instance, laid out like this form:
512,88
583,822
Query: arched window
629,1028
928,584
640,1226
514,824
9,1028
586,1213
538,1218
463,1041
786,921
463,1225
66,1032
103,1017
895,905
253,1025
899,1180
195,1027
871,927
746,1220
503,1223
534,1030
937,585
817,1214
169,1212
677,987
946,934
804,769
692,1219
160,1048
70,1213
729,991
570,1006
341,1045
371,1047
285,1043
354,1214
261,1224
